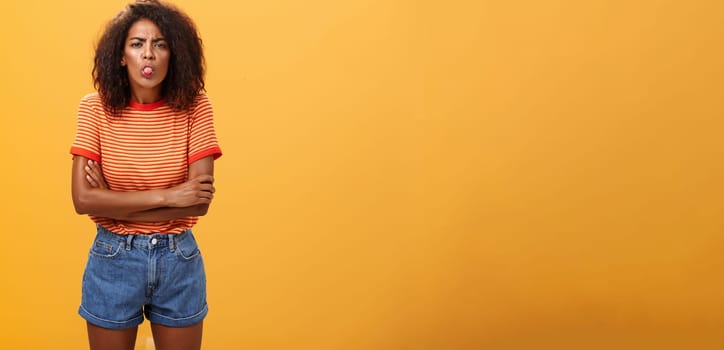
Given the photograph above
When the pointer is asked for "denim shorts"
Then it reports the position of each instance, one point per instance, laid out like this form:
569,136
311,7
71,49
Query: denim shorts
159,276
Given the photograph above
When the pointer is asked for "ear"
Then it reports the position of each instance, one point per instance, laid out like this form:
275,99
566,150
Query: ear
123,61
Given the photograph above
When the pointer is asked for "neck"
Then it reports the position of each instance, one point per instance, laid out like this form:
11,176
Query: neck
145,96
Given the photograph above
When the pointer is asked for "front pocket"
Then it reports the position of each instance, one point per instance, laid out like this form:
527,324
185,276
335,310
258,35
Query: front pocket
187,248
104,249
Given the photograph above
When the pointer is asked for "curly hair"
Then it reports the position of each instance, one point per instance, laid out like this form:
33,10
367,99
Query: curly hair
185,78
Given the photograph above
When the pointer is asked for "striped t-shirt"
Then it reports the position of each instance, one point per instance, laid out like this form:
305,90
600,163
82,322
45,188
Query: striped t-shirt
148,146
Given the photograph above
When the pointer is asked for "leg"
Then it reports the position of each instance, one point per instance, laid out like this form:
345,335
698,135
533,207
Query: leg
111,339
177,338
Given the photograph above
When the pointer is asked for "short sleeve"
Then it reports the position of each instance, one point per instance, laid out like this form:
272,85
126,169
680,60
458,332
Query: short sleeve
202,135
87,135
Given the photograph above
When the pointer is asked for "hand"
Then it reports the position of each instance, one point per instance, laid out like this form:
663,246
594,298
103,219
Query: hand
94,175
199,190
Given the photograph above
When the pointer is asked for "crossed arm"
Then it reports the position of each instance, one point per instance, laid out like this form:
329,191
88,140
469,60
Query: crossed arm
191,198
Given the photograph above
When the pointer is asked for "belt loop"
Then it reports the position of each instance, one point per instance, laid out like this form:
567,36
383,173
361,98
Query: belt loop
129,241
172,242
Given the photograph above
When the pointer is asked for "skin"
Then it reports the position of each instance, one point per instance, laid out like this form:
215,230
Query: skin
144,47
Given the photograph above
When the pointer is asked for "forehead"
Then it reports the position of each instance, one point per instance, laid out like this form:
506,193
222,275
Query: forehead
144,28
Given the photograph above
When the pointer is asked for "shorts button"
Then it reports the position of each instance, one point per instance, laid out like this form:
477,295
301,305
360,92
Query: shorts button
154,241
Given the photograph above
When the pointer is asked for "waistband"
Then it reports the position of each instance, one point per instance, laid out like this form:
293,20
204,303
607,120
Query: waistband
147,241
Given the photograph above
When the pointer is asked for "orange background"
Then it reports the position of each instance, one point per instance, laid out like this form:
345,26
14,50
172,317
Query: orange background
406,174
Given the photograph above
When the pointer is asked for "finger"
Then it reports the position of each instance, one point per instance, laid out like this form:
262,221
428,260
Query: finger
206,194
92,182
93,165
205,178
90,168
207,188
93,174
88,172
96,167
97,172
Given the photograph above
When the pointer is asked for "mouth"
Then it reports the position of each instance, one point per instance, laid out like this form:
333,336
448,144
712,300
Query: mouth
147,72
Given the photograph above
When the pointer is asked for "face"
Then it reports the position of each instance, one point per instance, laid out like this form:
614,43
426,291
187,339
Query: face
145,55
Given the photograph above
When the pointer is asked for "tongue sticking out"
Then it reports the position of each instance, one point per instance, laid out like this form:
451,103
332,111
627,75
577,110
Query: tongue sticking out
147,72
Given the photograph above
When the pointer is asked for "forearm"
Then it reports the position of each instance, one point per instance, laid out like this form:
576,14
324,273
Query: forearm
92,196
166,213
117,204
200,167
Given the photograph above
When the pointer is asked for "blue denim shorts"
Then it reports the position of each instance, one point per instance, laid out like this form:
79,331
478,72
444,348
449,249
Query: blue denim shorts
159,276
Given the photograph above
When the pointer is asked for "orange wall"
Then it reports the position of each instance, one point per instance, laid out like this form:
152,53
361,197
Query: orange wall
407,174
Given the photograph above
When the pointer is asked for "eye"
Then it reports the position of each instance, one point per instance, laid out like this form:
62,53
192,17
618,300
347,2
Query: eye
161,45
136,44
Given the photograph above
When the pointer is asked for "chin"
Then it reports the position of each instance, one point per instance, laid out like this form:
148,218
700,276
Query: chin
149,84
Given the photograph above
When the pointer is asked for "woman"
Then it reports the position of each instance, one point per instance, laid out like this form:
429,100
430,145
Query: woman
143,171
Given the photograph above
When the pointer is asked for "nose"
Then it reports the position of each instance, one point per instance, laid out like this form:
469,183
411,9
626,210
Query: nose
148,53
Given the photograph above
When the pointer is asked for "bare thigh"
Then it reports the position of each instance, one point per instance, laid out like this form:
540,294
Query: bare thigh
101,338
177,338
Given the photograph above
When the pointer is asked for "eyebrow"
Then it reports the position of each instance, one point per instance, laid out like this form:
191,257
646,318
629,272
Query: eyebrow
144,39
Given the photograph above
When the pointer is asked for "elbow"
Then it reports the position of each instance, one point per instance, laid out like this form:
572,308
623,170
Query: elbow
79,208
80,203
201,209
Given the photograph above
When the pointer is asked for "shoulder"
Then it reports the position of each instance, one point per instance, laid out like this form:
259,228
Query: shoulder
201,105
91,97
201,99
91,105
91,102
